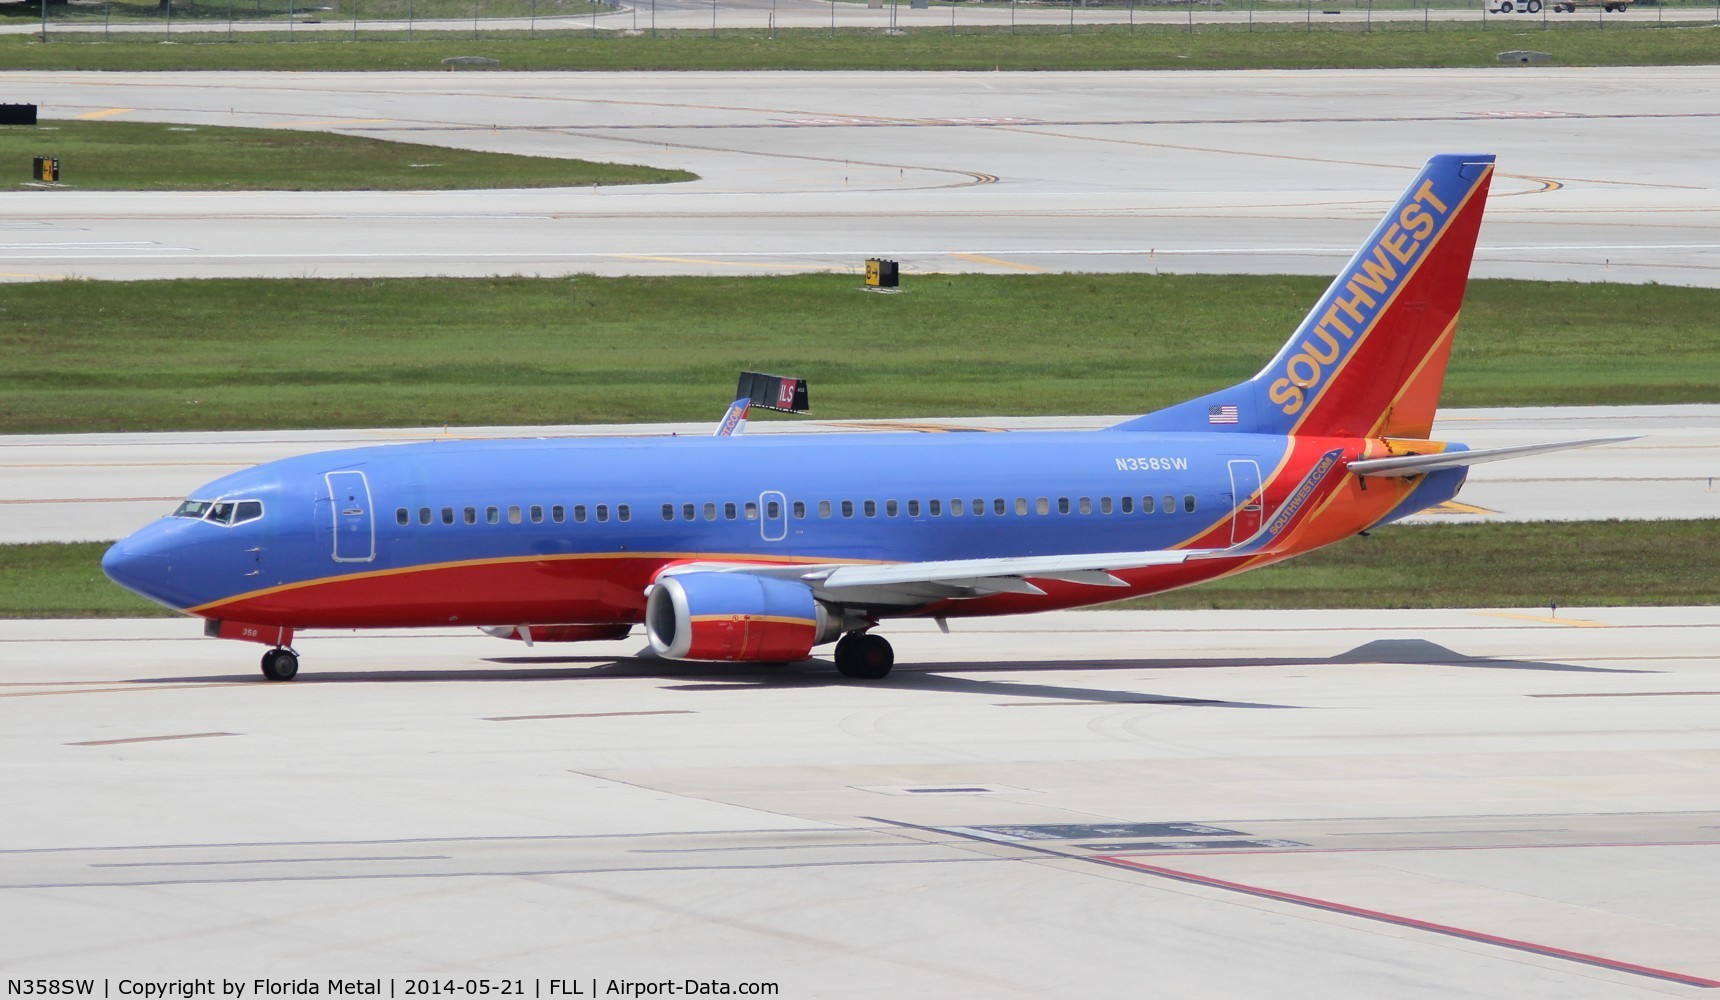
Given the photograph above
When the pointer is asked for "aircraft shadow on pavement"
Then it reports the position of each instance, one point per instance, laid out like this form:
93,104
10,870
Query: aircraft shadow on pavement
918,678
921,676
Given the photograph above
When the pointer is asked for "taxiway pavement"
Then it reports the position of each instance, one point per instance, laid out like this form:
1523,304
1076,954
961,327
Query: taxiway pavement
1248,172
1293,804
91,487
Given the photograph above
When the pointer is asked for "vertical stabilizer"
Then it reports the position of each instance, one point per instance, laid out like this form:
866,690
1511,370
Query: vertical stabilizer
1369,359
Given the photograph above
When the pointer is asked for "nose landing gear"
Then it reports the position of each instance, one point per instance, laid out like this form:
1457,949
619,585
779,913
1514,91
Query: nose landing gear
280,664
863,656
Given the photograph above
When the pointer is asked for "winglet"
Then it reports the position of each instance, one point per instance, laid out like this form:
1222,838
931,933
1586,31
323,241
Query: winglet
735,420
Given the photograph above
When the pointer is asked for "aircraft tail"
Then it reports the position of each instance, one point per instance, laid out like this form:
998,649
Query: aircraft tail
1369,359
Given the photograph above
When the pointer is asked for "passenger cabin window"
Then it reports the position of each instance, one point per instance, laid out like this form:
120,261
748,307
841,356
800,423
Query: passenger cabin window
913,508
1062,505
514,515
558,513
1188,503
1042,506
729,511
956,507
1147,505
471,515
823,508
492,515
799,509
623,513
537,514
447,515
847,508
603,512
668,512
710,512
423,515
579,513
1104,505
689,512
402,516
891,508
1000,506
751,510
870,508
773,509
934,507
1086,505
1021,506
1170,505
978,508
1128,505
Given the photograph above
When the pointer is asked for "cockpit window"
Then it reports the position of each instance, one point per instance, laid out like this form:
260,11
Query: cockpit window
226,512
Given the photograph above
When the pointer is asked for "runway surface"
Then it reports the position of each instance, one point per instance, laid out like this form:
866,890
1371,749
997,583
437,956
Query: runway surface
82,487
1291,804
1255,172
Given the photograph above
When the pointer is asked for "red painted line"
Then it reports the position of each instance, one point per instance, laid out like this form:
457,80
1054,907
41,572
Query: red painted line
1388,850
1411,922
148,739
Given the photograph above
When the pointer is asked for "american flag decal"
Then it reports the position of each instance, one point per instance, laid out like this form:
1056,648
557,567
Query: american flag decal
1225,414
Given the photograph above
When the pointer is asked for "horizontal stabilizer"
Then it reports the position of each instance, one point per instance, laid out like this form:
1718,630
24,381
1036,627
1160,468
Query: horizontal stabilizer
1415,465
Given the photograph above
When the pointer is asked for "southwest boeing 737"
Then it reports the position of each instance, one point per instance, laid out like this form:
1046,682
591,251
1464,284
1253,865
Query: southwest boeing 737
759,549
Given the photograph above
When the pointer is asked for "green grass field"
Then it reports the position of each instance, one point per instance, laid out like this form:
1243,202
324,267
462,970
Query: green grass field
1287,46
221,354
1421,566
148,156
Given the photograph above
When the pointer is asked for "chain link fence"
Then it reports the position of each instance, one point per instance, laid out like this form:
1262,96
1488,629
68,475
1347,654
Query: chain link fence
310,20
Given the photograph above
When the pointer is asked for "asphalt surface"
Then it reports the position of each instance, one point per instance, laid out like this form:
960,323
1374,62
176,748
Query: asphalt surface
1255,172
1220,804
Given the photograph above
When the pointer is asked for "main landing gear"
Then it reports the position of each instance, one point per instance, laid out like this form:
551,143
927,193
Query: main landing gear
864,656
281,664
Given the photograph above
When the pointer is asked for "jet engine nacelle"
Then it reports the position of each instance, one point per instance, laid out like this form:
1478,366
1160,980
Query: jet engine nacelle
736,616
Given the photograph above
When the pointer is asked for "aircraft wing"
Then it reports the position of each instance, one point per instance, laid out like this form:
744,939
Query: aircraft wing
912,583
1004,575
1415,465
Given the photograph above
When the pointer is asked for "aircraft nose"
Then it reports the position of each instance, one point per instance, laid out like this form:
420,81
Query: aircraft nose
139,563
